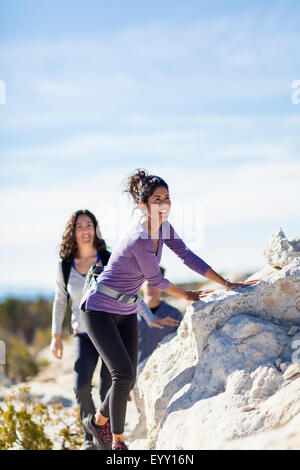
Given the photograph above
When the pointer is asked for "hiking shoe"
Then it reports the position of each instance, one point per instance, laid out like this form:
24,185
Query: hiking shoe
120,446
88,445
102,437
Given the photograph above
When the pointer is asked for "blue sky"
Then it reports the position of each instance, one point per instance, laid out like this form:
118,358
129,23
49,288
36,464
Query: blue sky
197,92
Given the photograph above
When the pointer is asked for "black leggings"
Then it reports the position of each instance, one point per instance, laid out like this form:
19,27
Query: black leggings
116,339
85,361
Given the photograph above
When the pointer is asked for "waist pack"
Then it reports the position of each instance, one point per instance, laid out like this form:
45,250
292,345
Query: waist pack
91,277
91,284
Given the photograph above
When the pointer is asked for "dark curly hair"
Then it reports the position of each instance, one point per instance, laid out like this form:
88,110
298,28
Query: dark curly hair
141,185
68,248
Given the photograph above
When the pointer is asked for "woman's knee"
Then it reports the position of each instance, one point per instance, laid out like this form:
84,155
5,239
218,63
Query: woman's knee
124,379
82,391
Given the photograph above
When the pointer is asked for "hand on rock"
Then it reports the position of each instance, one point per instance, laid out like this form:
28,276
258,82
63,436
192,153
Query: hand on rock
167,321
195,295
240,285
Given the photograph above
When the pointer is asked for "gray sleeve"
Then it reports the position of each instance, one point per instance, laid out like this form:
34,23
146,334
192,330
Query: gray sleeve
59,303
144,311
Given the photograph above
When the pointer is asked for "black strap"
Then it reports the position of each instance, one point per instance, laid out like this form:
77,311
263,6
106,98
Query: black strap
104,256
66,268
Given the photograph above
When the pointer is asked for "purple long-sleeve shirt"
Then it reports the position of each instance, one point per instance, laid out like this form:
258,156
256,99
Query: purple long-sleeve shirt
133,261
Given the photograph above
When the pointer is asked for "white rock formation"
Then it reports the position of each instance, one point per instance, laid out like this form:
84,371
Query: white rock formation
283,438
280,251
219,379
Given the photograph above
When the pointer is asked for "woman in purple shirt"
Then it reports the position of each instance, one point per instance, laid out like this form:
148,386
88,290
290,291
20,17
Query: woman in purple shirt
110,312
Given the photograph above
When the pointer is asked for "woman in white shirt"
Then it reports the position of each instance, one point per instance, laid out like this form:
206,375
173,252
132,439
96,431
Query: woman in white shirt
82,246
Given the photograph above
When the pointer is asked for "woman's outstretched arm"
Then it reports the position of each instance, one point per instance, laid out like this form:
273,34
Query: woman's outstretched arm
213,276
194,262
176,244
194,295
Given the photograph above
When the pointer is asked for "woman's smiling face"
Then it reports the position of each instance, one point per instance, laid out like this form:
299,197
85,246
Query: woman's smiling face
84,230
159,205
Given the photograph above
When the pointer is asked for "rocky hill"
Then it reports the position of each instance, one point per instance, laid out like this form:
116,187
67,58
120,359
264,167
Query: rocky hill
230,377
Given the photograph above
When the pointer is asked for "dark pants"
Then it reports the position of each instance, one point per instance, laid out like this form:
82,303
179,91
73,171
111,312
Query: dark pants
116,340
85,361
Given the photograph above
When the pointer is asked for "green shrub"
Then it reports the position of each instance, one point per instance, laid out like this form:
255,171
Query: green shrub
23,422
19,361
21,364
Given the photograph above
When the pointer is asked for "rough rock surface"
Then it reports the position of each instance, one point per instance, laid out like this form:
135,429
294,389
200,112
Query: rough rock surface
219,379
280,251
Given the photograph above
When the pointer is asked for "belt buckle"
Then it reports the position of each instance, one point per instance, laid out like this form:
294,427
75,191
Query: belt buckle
129,299
138,298
122,297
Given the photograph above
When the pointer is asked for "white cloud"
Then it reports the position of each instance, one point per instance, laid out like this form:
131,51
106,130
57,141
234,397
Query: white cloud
254,196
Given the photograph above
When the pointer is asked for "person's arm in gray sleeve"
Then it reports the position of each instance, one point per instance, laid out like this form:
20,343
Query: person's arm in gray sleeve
144,311
59,303
151,320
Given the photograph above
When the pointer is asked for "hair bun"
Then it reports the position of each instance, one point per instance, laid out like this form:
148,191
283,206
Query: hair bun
141,190
133,183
